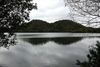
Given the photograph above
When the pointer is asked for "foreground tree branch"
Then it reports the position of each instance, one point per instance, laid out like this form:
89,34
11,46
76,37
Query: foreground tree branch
12,14
88,8
93,58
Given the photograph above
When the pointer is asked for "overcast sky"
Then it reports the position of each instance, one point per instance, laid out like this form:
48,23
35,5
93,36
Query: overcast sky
50,10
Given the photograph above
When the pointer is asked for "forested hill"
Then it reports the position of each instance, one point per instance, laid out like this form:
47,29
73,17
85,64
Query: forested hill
58,26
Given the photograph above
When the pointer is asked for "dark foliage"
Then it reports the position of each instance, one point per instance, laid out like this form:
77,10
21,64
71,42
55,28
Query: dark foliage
7,39
58,26
12,14
34,26
93,57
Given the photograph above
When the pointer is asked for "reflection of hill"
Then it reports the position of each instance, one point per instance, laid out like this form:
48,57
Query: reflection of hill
67,40
36,41
58,26
62,41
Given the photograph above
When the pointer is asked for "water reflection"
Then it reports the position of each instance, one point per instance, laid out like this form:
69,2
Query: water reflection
93,58
66,40
60,40
50,54
36,41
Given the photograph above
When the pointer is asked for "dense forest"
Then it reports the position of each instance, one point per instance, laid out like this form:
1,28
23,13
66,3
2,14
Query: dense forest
58,26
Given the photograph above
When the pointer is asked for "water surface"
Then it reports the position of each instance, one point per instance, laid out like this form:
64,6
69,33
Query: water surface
47,50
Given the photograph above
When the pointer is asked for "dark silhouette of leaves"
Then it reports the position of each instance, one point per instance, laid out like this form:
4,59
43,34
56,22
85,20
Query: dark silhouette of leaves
93,57
12,14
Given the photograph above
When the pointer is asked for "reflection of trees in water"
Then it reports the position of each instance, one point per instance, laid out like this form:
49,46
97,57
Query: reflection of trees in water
36,41
93,57
66,40
60,40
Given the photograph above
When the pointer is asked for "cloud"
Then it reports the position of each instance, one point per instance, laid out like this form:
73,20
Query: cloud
50,54
50,10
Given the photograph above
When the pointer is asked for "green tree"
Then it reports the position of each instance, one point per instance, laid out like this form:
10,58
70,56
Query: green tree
12,14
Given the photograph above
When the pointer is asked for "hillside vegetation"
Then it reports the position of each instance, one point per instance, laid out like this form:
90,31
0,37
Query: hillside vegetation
58,26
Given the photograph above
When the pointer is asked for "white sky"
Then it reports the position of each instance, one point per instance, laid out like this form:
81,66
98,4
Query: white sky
50,10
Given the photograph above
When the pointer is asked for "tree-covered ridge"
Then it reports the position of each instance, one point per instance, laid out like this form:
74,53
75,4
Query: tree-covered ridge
34,26
58,26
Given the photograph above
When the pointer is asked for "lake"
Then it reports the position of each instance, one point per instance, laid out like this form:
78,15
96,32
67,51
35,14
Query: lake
48,49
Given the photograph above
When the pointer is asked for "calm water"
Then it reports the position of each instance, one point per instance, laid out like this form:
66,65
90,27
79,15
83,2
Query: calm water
48,50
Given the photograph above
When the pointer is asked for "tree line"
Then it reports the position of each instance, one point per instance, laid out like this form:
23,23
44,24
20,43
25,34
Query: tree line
58,26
